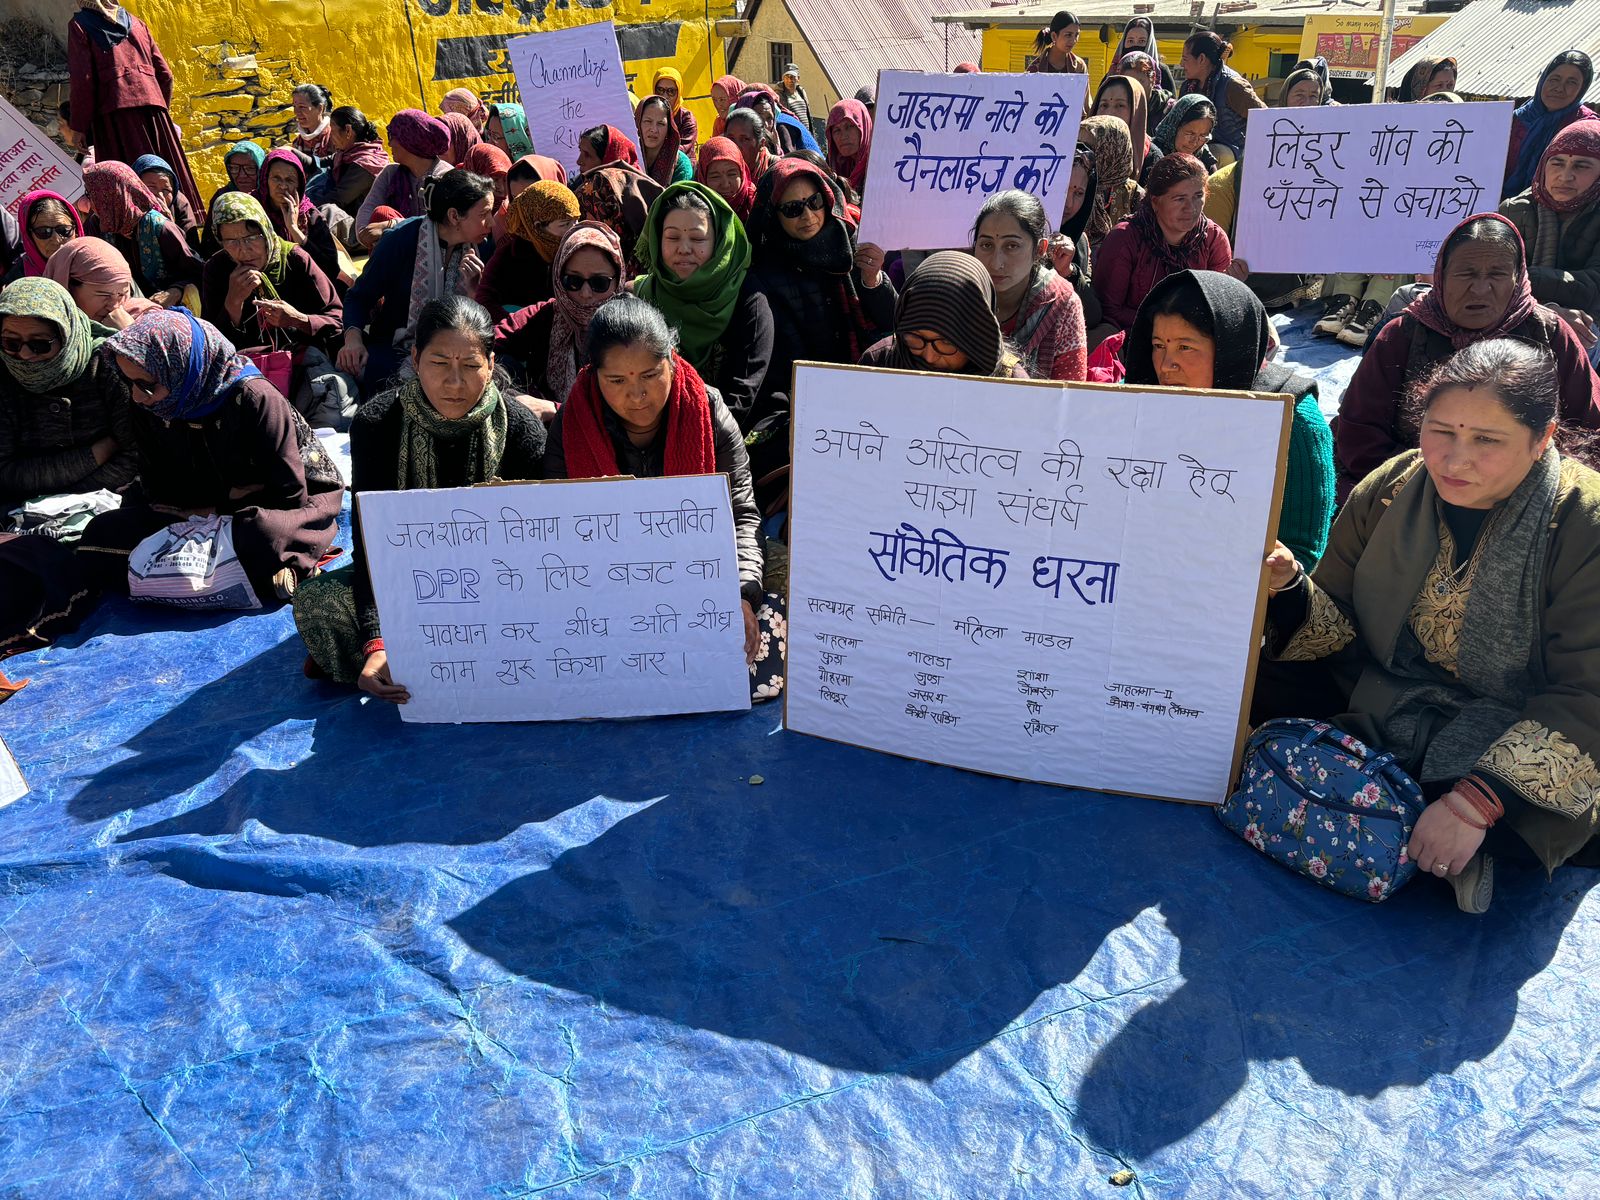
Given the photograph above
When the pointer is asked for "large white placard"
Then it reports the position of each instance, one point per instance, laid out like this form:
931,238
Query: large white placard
550,601
1049,582
30,161
1365,187
571,80
942,144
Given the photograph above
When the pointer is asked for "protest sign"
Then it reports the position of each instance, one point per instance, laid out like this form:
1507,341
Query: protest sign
12,785
1365,187
29,161
1051,582
942,144
546,602
571,80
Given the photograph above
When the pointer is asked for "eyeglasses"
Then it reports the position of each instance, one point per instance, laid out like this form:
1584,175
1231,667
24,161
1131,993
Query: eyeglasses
52,233
39,347
916,343
598,284
142,386
794,209
244,243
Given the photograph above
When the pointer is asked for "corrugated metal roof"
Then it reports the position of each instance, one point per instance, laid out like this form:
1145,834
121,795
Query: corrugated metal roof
1501,45
852,39
1173,12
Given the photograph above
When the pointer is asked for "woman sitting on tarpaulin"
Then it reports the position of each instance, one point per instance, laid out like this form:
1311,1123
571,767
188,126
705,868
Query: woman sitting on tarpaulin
447,426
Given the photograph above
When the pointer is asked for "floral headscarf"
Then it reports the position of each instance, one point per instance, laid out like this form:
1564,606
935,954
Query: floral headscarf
118,197
239,206
188,356
46,300
545,201
34,261
570,329
721,149
1113,164
514,128
466,102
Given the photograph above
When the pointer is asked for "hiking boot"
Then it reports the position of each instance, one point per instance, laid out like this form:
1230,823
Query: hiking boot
1361,325
1335,313
1474,887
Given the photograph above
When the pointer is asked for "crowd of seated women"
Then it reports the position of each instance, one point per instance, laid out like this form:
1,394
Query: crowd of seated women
470,311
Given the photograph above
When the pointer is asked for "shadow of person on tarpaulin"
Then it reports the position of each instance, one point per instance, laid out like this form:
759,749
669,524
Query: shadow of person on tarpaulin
889,916
1363,997
325,761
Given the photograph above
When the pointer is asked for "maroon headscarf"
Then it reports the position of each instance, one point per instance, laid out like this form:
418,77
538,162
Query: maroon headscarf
1581,138
463,137
853,168
284,155
665,161
619,147
1429,307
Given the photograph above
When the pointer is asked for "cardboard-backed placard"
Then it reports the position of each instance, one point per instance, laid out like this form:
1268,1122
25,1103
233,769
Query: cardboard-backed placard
559,600
1365,187
943,144
571,80
1051,582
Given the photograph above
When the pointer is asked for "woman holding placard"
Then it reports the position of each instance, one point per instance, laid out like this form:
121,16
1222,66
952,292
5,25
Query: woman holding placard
658,142
1199,329
1559,217
697,254
830,298
1205,72
1556,104
1036,308
639,409
449,425
1169,233
1453,614
1481,292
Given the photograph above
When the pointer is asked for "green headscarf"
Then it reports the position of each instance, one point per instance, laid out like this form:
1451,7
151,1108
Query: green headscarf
47,300
700,306
514,126
249,149
231,207
421,425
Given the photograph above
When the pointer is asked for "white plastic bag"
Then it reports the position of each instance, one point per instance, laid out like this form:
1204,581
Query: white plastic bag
191,564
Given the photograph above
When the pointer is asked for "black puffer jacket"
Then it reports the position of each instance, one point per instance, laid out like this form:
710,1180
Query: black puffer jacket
649,462
47,441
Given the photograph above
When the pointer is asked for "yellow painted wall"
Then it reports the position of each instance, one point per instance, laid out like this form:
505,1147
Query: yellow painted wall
775,23
237,61
1009,50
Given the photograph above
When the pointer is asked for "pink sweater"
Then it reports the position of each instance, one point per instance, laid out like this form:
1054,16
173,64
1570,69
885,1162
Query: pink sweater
1126,268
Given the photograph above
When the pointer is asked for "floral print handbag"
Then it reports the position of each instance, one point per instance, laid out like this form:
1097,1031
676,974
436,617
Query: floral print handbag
1322,803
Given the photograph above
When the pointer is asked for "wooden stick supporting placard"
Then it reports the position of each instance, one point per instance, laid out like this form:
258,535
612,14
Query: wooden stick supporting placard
1060,583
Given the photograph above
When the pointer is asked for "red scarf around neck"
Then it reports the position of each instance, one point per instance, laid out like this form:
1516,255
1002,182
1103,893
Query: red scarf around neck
691,443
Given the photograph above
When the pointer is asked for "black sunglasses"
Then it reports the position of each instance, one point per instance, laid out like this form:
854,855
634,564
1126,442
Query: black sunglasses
58,233
598,284
816,202
37,346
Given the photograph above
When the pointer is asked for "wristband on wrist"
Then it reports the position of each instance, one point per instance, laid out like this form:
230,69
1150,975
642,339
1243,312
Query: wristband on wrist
1463,813
372,647
1299,578
1482,798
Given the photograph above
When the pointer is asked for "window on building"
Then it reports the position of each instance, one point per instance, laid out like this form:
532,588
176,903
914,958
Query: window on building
781,55
1279,65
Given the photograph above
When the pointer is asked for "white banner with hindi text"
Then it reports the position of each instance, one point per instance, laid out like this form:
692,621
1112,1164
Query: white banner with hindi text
942,144
552,601
1365,187
1050,583
30,161
571,80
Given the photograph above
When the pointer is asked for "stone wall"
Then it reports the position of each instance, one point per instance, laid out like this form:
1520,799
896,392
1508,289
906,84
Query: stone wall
33,73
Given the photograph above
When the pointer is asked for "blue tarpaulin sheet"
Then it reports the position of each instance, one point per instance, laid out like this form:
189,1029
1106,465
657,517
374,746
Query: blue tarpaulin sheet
258,938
